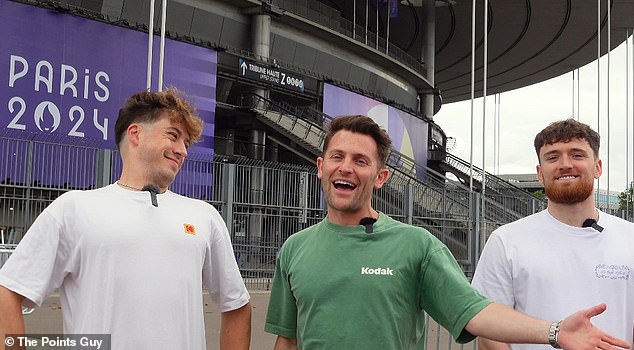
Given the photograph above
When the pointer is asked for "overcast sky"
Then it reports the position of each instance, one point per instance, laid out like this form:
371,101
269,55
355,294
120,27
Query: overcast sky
526,111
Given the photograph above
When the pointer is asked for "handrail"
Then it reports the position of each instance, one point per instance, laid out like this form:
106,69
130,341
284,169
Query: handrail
396,160
503,191
492,181
506,202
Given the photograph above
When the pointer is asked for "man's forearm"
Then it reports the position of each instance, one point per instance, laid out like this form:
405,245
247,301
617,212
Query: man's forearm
488,344
11,320
235,329
502,323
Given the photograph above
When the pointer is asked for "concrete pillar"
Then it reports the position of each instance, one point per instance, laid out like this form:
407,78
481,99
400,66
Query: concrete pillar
261,39
257,144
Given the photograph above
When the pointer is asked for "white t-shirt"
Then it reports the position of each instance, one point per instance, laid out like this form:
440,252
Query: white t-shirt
547,269
127,268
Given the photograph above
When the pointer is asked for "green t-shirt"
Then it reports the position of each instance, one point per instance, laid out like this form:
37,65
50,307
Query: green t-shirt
337,287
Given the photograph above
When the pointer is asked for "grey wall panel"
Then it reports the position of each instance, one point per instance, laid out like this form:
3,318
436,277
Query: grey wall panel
235,34
357,76
371,85
179,18
206,26
305,57
138,11
341,70
92,5
390,91
112,8
282,48
408,99
381,87
324,63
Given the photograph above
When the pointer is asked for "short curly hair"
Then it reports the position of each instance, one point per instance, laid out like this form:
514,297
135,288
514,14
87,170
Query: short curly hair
566,130
149,106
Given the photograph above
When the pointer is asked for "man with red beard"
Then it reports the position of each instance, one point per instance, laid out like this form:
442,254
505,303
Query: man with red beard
569,255
362,280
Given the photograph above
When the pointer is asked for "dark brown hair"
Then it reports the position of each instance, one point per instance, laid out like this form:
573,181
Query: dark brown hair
149,106
362,125
565,131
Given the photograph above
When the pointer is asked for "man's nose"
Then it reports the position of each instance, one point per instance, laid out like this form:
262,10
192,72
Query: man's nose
180,149
346,166
565,162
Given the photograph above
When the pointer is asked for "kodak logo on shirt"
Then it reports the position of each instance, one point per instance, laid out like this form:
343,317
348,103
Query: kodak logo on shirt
385,271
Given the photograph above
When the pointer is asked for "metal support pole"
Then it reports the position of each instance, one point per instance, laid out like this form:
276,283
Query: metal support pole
387,25
409,203
150,44
229,176
162,51
429,53
474,236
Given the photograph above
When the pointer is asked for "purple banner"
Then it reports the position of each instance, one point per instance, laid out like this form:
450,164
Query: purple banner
408,133
64,77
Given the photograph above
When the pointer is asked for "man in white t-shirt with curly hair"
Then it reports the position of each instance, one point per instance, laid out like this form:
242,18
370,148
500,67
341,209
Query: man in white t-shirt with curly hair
131,259
569,255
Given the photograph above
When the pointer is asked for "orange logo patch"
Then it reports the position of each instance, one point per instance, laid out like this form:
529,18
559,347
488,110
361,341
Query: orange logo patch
189,229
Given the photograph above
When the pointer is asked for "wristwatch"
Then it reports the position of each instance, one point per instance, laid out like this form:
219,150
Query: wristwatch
553,332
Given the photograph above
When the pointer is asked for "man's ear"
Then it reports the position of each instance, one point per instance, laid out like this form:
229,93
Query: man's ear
540,176
381,178
598,169
133,133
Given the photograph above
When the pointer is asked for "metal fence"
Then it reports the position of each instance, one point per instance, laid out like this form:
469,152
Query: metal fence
263,203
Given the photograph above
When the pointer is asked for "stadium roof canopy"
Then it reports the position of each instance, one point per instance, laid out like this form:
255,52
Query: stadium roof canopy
528,41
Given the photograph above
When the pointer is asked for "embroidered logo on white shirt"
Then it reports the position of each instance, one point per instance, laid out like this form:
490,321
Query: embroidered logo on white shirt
612,272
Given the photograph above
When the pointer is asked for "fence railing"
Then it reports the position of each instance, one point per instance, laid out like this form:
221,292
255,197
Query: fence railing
262,202
330,18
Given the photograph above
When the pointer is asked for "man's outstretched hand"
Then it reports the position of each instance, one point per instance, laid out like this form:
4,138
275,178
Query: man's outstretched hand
578,333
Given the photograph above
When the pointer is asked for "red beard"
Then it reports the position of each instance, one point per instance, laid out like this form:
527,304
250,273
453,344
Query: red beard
569,194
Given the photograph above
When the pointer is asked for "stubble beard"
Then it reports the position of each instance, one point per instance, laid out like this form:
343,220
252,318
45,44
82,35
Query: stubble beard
349,206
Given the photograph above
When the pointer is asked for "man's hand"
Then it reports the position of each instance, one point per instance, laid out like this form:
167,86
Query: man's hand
577,332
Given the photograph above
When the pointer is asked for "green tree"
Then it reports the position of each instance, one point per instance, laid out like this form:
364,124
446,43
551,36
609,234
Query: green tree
539,194
626,198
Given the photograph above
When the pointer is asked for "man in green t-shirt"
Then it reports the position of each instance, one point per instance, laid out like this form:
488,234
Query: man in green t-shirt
361,280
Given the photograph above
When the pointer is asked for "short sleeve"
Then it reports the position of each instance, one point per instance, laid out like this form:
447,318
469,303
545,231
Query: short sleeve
281,318
447,296
40,262
493,275
221,274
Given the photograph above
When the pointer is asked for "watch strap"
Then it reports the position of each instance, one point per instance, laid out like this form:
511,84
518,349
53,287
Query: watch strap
553,333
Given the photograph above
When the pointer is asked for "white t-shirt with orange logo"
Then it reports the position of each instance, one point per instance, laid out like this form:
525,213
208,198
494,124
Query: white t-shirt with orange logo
126,268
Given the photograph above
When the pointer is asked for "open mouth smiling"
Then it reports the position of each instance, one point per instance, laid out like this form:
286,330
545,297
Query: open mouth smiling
344,185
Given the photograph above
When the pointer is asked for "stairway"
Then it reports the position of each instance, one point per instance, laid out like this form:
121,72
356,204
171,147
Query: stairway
429,195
